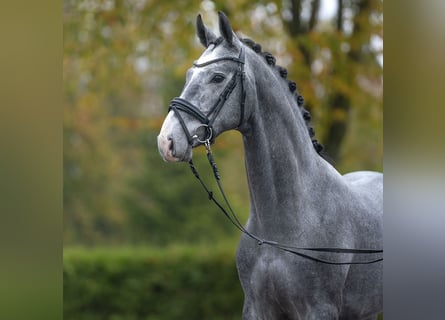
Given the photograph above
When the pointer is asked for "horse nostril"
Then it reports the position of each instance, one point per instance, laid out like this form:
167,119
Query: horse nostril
170,144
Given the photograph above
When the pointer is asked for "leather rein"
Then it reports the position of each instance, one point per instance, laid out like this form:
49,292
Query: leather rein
179,104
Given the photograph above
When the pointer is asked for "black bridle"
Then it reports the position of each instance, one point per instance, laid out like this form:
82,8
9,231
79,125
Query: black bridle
179,104
207,120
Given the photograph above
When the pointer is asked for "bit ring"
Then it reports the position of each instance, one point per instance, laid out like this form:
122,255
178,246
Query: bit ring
210,134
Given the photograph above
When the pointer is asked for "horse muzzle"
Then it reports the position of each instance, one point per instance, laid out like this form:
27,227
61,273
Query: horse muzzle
171,152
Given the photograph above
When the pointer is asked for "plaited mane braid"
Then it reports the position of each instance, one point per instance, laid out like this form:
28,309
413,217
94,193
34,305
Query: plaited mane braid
270,60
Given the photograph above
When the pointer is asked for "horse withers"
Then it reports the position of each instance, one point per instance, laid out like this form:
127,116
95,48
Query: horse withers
296,197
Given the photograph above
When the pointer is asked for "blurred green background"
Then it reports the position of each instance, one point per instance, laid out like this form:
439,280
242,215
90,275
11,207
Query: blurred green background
140,239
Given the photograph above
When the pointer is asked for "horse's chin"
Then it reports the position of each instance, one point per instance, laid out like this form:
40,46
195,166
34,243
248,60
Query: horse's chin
169,157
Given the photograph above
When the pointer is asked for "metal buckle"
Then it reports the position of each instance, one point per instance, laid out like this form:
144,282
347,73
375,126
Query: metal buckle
206,141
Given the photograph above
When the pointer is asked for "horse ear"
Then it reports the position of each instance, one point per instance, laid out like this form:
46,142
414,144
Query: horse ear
205,35
224,27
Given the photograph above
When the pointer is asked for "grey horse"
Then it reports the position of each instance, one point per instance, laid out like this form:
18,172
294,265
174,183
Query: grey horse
296,197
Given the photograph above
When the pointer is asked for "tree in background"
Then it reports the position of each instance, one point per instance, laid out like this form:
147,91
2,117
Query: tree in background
336,66
354,27
125,60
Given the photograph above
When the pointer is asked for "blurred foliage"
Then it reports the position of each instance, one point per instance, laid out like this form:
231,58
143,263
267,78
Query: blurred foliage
143,283
124,61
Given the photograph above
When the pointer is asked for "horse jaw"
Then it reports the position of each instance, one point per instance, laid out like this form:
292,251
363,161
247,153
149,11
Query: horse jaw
172,143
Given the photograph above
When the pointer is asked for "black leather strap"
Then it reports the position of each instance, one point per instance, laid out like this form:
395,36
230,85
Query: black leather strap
234,59
187,107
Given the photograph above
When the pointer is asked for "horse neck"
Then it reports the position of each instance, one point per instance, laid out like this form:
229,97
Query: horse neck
282,166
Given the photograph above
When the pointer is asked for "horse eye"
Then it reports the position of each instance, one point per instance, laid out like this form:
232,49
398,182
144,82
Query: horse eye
217,78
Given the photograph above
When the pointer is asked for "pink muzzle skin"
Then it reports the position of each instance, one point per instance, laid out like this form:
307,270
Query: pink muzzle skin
165,146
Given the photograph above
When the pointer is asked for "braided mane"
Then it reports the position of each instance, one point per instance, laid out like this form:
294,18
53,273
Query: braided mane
271,61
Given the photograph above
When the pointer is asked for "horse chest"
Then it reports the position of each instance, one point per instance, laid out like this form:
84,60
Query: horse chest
277,275
281,286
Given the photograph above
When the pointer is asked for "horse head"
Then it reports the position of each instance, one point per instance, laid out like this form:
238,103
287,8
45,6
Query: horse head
213,99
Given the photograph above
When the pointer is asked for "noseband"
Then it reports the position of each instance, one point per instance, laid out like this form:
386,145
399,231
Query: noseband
207,120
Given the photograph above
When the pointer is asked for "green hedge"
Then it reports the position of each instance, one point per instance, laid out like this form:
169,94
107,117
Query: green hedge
131,283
